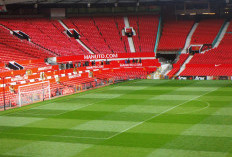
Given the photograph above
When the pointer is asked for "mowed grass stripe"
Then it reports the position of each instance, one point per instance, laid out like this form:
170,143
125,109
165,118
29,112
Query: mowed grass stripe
51,149
157,115
66,112
65,98
100,120
186,153
157,139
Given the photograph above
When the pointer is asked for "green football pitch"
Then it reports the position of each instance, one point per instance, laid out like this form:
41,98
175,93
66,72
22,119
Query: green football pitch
139,118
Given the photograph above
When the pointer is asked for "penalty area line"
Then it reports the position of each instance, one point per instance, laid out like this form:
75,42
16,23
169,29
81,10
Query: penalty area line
159,114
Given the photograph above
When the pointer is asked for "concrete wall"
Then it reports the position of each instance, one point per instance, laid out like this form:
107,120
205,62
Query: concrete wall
57,12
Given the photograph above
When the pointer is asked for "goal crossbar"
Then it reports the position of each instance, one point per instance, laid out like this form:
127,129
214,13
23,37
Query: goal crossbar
31,93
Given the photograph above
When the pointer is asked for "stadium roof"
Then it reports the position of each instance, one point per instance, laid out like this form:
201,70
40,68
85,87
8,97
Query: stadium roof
99,1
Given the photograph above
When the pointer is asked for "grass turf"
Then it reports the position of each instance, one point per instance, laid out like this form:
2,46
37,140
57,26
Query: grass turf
142,118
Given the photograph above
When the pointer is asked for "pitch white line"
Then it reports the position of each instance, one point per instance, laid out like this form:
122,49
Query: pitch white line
94,102
159,114
87,105
24,109
80,107
57,99
207,105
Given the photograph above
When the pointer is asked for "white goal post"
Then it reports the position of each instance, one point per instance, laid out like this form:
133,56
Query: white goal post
34,92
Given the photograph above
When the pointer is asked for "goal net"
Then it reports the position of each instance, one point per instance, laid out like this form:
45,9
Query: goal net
34,92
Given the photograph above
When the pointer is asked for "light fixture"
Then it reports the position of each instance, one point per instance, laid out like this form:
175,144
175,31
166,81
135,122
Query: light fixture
36,5
137,4
208,13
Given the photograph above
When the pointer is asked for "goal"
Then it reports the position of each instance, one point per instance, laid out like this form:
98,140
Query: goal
34,92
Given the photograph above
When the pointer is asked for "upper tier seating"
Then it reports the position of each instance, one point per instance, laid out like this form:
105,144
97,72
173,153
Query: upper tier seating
89,33
206,31
146,27
46,33
214,62
12,48
99,34
103,34
120,25
111,34
174,35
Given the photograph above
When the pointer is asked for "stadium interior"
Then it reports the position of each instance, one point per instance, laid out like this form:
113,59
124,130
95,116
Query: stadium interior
50,41
115,78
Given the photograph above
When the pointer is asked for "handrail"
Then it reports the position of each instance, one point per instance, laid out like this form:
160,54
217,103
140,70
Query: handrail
219,33
158,34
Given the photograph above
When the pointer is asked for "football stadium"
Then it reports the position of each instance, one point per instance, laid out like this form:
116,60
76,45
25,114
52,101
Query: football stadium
115,78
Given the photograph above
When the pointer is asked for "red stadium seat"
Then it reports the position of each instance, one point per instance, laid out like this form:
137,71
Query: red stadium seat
174,35
214,62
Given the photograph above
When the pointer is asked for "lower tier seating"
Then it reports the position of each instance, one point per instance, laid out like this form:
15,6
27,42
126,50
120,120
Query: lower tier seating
69,81
214,62
207,71
176,66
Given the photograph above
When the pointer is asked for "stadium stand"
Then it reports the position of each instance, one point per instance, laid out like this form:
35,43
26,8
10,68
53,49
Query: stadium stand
206,31
12,48
102,35
77,78
174,35
90,35
109,31
177,65
214,62
146,27
120,26
29,64
2,67
48,34
123,74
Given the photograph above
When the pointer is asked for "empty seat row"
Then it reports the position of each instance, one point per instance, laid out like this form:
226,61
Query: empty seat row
174,34
206,31
214,62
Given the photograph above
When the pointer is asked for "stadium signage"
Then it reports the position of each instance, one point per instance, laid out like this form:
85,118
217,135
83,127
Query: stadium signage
199,78
182,78
95,67
100,56
131,65
74,76
115,56
223,77
19,78
45,68
191,78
